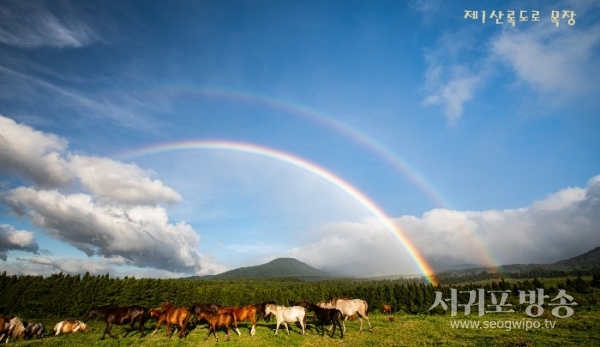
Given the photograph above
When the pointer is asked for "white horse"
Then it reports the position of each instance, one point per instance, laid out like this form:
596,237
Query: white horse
286,315
349,308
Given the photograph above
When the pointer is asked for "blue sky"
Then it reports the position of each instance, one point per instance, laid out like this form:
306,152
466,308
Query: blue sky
478,140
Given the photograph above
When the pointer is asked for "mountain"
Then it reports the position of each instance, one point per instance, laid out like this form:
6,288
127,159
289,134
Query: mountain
278,268
585,260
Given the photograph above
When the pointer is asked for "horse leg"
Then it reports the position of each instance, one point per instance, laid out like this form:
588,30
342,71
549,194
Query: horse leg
286,328
160,321
228,332
106,331
236,328
369,321
277,327
168,328
253,329
141,326
360,319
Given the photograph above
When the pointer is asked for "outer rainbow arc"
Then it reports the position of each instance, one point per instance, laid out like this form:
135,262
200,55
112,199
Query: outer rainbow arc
300,110
331,178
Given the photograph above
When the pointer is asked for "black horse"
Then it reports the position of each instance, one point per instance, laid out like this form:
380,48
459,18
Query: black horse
120,316
327,315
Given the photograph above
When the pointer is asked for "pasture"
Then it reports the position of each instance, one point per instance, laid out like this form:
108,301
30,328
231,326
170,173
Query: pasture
405,330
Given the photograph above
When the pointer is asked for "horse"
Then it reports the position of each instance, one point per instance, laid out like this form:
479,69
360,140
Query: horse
4,326
13,328
260,310
34,329
180,316
327,315
349,308
215,320
69,327
120,316
387,308
198,307
286,315
243,314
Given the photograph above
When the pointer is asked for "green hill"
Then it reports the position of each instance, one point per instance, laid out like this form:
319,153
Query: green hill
278,268
589,259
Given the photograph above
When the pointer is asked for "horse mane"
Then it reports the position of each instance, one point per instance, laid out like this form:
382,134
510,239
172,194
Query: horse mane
17,328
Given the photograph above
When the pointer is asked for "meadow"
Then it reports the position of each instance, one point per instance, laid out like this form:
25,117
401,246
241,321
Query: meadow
582,329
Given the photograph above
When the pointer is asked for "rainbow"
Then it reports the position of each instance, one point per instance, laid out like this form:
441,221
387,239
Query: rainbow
297,109
301,163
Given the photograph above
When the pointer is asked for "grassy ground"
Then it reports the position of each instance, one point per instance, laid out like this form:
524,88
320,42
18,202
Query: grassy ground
582,329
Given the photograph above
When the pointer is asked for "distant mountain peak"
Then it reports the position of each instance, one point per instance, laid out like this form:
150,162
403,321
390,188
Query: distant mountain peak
277,268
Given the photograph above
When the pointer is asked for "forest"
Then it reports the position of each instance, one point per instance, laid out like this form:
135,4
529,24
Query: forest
68,296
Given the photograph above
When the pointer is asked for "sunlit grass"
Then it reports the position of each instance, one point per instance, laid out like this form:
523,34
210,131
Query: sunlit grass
402,330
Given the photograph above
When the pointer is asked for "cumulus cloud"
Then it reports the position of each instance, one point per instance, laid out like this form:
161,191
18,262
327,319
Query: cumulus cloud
11,239
123,182
32,154
100,206
141,235
31,24
563,225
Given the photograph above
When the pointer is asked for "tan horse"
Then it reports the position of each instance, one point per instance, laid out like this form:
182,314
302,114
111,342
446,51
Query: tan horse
13,328
69,327
349,308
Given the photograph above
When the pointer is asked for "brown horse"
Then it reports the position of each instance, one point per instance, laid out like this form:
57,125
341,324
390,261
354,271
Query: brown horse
243,314
4,326
179,316
387,308
198,307
120,316
218,320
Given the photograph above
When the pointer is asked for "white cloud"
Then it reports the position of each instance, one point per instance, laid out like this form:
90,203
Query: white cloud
561,62
11,239
39,156
124,182
31,24
32,154
100,206
563,225
451,82
140,234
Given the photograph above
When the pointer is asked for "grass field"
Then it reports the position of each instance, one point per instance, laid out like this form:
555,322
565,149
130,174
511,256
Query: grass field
582,329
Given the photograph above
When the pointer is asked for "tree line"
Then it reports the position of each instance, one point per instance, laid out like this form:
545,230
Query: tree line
68,296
